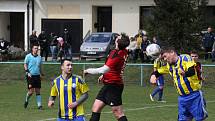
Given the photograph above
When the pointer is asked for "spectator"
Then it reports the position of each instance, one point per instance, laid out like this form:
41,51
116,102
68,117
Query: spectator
132,48
139,40
33,38
44,45
4,46
53,46
208,40
145,43
213,52
61,48
68,44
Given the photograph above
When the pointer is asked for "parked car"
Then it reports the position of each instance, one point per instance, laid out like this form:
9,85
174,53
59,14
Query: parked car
97,45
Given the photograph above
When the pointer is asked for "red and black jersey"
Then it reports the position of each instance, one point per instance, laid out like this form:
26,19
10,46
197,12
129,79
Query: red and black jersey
198,68
116,61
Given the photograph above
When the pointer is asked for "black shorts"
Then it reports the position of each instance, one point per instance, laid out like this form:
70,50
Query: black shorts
111,94
34,82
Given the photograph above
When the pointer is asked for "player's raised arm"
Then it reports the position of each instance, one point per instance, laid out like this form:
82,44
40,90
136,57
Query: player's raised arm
100,70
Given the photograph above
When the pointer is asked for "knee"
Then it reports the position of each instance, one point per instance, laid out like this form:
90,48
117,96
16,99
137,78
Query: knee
117,112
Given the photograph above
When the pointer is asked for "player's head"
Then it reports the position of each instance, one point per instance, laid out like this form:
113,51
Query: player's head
194,55
169,55
66,66
122,41
34,49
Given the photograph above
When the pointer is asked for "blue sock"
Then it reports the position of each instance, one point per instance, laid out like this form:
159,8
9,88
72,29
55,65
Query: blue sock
160,94
156,90
38,97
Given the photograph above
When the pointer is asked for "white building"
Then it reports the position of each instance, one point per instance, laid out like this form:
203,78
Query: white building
78,16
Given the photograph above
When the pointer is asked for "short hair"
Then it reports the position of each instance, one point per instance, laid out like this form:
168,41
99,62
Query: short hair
123,42
167,50
62,61
193,52
34,44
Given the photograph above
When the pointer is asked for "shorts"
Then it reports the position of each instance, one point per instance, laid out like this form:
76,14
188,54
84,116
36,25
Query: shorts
192,106
78,118
160,81
111,94
34,81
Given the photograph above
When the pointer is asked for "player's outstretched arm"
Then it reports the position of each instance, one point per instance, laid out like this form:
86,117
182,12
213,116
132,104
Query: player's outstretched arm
100,70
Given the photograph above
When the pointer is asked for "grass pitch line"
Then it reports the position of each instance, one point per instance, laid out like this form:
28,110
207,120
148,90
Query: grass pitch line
132,109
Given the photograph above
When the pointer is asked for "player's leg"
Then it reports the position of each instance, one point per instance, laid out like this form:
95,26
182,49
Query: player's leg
198,107
96,110
160,85
30,91
114,99
99,104
37,85
183,110
118,113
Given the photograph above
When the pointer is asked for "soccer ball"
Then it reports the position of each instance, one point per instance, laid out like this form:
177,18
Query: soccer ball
153,50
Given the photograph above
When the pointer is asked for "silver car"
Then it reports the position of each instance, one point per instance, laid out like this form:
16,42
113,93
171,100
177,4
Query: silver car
97,45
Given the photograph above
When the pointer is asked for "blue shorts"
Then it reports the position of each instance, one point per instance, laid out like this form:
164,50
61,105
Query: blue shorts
192,106
160,81
79,118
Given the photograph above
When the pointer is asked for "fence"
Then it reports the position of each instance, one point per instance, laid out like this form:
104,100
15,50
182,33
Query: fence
134,73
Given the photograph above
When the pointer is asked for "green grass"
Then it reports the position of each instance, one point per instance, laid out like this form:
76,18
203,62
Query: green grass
137,104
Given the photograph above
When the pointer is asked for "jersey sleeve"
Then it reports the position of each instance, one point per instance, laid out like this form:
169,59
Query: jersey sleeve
54,89
26,59
163,69
83,87
155,63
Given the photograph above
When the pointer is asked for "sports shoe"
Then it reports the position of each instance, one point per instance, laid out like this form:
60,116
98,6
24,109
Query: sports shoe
40,107
151,98
25,104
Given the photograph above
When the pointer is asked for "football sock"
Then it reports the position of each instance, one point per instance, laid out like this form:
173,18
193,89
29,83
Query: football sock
38,97
160,94
156,90
27,97
123,118
95,116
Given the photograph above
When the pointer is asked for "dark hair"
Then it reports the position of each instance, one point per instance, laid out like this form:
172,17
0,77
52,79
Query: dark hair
124,41
193,52
34,44
62,61
167,50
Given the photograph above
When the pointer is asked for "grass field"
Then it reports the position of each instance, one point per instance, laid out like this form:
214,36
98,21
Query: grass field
137,104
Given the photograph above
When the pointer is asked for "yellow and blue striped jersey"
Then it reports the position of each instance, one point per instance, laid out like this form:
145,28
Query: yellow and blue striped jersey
159,63
69,91
184,85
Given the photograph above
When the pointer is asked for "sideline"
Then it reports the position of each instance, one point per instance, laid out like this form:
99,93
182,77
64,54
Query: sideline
132,109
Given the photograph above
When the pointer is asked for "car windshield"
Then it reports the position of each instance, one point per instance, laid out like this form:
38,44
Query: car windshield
100,38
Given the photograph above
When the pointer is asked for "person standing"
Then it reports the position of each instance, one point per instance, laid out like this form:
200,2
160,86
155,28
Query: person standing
112,78
33,38
158,63
191,103
53,46
44,45
72,91
208,40
32,66
68,44
194,55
